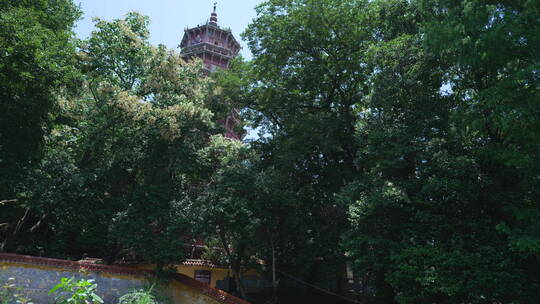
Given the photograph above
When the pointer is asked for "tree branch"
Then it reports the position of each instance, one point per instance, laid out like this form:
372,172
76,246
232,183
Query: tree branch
8,201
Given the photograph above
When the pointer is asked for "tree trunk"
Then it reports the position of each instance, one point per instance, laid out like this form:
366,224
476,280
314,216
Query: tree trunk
274,280
235,265
7,244
238,280
113,253
385,292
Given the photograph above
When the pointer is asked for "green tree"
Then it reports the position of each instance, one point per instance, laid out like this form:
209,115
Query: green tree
409,115
306,78
38,53
247,209
37,61
495,76
441,184
118,168
225,208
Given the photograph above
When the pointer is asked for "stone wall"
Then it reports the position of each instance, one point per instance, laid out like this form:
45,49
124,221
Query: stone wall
36,276
37,281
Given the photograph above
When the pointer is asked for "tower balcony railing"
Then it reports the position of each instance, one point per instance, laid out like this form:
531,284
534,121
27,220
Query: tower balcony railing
208,47
209,43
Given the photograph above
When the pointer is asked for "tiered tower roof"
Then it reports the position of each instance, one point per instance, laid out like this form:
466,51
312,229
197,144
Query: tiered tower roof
216,46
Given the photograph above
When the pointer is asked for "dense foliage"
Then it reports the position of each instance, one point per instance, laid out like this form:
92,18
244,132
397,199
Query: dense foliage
37,60
417,118
399,137
116,163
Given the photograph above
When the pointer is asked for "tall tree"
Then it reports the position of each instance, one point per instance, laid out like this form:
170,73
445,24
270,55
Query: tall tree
307,74
225,208
37,60
249,210
118,167
441,184
495,76
412,105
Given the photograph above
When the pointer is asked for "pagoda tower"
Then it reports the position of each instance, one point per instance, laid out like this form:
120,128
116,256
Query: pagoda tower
214,45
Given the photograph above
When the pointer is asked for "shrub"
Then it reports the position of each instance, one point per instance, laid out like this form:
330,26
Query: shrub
81,292
10,293
138,297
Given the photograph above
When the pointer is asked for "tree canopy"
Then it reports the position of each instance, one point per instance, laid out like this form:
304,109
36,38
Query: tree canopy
397,137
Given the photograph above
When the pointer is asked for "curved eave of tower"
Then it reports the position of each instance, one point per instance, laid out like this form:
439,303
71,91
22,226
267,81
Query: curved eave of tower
201,27
236,42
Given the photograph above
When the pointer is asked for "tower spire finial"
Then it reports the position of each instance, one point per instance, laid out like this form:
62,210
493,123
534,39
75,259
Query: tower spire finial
213,17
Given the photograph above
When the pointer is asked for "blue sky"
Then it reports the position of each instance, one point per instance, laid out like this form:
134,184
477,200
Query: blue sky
168,18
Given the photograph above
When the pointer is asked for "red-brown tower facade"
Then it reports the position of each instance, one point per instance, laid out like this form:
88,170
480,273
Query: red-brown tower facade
214,45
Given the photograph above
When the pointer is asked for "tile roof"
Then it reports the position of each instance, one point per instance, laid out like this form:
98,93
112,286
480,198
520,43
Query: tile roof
199,262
